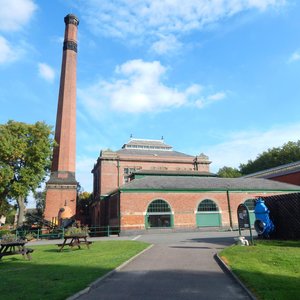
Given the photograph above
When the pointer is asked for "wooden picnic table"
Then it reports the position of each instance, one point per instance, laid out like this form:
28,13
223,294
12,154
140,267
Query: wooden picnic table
74,240
17,247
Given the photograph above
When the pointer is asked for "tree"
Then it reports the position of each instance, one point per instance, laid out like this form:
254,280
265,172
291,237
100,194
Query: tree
274,157
229,172
25,160
83,206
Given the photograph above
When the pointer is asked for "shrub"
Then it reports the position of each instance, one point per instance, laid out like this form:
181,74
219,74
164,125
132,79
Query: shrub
30,236
4,232
78,231
8,238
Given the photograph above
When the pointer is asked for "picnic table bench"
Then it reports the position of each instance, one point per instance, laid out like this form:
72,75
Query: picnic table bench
17,247
74,240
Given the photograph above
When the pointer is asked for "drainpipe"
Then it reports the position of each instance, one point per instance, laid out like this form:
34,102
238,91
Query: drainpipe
118,167
229,209
119,210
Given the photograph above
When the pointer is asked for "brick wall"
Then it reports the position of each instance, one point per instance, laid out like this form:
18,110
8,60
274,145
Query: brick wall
56,199
293,178
111,174
133,207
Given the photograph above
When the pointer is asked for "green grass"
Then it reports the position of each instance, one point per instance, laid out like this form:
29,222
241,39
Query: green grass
57,275
270,269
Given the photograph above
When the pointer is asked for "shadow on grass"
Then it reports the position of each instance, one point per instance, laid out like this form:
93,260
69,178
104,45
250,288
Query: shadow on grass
58,275
66,249
23,279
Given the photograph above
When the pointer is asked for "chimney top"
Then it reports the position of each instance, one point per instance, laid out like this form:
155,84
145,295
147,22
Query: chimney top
71,19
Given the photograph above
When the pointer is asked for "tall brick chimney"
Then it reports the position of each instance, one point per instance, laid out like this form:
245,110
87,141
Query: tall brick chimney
62,185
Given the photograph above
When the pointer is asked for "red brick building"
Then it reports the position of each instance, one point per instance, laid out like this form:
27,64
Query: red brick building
289,173
113,168
167,189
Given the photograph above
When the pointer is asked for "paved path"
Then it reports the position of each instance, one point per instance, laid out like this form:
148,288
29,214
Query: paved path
178,266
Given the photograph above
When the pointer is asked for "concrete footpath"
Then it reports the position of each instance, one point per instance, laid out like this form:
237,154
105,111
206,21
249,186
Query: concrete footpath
178,266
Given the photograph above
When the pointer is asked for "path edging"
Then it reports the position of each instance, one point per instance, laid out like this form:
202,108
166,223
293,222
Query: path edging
227,269
95,283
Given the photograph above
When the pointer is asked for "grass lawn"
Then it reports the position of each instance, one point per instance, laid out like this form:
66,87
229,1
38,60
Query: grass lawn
57,275
270,269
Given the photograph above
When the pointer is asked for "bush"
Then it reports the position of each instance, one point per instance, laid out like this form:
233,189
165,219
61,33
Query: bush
30,236
78,231
8,238
4,232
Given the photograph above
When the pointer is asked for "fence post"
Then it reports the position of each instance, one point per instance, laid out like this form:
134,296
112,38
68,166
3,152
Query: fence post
38,234
108,231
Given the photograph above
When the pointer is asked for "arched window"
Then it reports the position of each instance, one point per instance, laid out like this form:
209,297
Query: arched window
159,206
250,203
208,214
158,214
207,205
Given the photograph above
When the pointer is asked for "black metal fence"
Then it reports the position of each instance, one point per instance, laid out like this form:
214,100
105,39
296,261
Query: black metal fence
44,233
285,214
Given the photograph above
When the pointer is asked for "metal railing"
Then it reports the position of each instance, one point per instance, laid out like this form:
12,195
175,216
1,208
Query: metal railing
44,233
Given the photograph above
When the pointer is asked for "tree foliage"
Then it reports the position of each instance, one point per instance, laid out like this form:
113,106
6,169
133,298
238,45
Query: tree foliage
274,157
5,207
40,200
25,159
228,172
84,201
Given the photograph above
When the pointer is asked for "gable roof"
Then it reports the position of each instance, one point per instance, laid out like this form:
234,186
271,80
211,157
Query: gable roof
158,153
183,183
276,171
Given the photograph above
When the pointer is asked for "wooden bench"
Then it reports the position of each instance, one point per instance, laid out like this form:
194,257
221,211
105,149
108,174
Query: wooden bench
14,248
74,241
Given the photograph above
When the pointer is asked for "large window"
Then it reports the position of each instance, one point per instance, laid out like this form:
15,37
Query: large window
158,214
208,214
207,205
159,206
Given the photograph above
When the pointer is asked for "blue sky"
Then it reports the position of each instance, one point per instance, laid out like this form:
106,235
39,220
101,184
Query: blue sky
218,77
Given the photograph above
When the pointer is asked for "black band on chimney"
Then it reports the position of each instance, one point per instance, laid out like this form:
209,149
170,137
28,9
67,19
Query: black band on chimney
70,45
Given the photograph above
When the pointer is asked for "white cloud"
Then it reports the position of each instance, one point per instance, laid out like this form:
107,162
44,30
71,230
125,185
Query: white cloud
217,96
139,88
205,101
240,146
166,44
7,53
46,72
14,14
294,57
158,21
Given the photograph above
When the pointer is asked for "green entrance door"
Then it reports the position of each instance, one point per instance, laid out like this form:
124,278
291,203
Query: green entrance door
158,215
208,214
